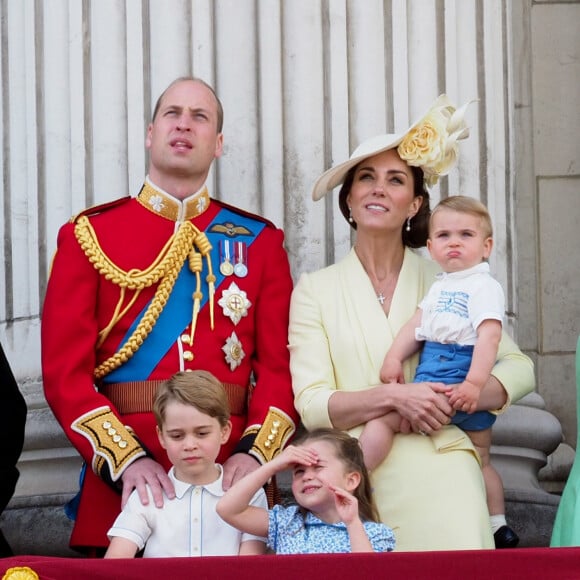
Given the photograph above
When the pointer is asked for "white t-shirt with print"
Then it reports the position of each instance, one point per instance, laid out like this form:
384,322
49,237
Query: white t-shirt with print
457,303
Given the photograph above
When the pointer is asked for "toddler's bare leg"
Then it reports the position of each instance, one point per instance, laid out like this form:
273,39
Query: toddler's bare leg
493,484
377,438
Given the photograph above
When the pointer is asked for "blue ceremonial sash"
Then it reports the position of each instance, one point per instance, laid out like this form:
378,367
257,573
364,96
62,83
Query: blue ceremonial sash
176,315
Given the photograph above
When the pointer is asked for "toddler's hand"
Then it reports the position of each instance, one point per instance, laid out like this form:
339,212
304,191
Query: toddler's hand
465,397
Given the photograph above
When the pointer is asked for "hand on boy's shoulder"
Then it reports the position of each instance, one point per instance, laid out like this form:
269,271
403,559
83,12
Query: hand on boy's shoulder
236,467
146,472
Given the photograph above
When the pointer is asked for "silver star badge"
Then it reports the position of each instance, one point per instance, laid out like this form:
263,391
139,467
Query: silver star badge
233,351
235,303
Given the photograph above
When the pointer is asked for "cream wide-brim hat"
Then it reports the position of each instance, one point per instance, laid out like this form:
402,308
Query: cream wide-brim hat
335,175
430,143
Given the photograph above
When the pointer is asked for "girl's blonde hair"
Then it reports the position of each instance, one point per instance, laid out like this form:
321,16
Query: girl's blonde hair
348,450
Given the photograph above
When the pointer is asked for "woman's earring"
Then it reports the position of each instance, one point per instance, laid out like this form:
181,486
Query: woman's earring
350,220
408,228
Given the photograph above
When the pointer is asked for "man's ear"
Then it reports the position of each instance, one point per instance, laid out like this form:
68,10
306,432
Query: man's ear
148,136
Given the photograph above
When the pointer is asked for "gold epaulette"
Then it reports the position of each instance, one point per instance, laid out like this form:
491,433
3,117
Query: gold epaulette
97,209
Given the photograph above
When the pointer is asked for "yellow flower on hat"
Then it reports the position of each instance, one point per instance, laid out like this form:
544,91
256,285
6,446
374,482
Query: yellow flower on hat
431,144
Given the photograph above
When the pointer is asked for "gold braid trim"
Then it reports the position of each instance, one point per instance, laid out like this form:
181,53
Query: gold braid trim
165,267
271,437
195,265
205,249
175,250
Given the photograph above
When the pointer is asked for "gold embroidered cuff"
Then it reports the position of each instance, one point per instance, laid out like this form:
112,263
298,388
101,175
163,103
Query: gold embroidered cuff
272,436
111,441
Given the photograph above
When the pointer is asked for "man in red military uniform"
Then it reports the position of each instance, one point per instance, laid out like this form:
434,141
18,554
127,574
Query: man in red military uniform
168,281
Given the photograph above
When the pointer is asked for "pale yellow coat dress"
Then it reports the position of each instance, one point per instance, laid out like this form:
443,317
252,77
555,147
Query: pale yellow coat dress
429,489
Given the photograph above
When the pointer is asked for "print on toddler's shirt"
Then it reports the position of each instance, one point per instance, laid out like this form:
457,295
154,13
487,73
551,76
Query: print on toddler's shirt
453,302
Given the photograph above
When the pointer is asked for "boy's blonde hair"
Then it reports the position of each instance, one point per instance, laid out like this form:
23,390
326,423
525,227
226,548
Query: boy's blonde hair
469,205
198,388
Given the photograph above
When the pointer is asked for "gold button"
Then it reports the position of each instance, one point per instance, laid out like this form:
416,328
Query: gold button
267,444
188,356
185,338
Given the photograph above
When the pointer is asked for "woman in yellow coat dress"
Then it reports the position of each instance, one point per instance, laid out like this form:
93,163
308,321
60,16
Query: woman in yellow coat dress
344,318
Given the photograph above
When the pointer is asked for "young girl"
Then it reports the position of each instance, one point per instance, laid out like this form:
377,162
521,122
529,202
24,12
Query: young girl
330,483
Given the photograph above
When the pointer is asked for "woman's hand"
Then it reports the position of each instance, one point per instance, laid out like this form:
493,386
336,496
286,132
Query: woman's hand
424,405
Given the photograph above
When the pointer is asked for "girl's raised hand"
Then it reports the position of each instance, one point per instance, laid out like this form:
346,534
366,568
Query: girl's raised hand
293,455
346,504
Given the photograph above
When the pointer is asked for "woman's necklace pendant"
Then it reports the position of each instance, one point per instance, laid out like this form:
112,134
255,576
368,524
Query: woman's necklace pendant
381,297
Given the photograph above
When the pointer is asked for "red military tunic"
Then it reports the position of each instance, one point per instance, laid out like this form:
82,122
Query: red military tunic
119,310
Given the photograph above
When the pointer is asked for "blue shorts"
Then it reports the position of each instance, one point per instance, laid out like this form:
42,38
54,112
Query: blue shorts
449,364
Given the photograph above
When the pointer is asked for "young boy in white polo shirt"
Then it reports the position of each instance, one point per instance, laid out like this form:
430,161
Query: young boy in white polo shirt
193,422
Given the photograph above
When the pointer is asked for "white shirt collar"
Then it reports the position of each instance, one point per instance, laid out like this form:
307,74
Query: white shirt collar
182,487
482,268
